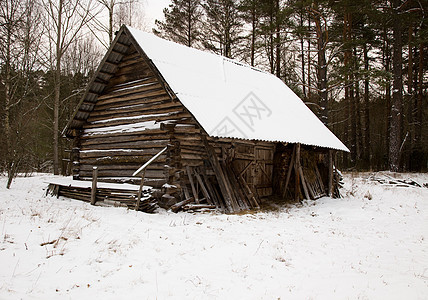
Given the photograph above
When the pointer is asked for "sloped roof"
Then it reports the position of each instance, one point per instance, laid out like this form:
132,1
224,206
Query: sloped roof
228,99
234,100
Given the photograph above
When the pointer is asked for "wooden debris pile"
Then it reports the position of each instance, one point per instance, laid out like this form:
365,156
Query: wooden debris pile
389,180
105,196
214,186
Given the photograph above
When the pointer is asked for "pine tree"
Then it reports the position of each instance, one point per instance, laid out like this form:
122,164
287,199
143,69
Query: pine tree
182,22
223,27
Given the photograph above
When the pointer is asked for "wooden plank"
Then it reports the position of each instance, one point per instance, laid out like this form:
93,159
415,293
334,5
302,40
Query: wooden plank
240,197
189,175
305,188
143,167
203,188
212,191
140,190
220,177
249,193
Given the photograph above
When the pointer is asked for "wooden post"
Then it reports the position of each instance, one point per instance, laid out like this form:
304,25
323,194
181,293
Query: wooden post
330,173
140,190
296,173
94,185
290,168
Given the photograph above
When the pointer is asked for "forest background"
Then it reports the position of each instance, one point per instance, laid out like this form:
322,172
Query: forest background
360,66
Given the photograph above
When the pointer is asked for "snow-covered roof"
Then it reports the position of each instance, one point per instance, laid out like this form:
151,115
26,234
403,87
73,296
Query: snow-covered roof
234,100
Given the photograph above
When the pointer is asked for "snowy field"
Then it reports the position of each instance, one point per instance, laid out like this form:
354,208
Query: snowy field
372,244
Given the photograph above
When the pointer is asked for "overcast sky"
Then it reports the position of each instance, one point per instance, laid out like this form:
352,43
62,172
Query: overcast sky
153,10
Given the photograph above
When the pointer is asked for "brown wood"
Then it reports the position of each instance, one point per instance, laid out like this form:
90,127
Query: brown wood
297,191
195,193
203,188
220,178
249,193
94,185
140,191
176,207
305,188
290,169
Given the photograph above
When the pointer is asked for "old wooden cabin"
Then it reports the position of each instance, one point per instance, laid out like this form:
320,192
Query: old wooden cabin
223,134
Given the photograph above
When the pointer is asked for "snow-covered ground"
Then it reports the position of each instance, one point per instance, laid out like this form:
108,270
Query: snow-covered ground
372,244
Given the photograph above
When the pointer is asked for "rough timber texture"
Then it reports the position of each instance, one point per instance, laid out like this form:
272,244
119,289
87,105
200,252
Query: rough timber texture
123,130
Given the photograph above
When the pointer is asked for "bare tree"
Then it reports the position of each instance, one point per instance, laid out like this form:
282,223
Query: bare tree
65,20
119,12
19,46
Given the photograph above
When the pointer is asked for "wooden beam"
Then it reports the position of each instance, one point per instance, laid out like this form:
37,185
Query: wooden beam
94,185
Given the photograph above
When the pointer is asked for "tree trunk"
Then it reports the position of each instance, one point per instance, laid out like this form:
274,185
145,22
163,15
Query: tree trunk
321,71
419,103
7,91
302,55
397,96
387,64
253,33
110,21
278,40
57,83
367,146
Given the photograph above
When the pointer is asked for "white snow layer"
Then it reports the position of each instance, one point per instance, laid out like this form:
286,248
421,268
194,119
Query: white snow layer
231,99
372,244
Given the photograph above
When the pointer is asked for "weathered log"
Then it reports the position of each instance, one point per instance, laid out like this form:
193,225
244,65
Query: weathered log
176,207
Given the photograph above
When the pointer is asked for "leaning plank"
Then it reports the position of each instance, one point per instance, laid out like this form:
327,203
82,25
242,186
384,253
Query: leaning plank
136,173
220,177
305,188
192,184
140,190
203,188
249,193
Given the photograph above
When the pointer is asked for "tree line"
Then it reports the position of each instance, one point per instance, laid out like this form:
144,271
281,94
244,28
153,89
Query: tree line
360,66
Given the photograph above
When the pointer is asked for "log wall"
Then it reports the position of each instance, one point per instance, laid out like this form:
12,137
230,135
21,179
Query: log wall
124,129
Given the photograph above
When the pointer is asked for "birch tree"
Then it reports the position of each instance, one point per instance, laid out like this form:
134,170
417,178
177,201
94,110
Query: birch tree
65,20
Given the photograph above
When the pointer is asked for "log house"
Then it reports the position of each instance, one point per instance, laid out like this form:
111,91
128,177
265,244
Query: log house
234,135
